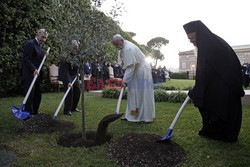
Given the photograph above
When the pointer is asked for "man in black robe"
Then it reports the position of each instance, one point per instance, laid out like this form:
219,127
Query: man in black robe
218,86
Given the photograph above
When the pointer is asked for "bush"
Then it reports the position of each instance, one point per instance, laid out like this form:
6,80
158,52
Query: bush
181,75
158,86
171,88
161,95
176,88
113,93
188,88
19,21
178,97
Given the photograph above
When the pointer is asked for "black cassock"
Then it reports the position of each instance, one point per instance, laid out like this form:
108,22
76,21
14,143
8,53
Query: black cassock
218,85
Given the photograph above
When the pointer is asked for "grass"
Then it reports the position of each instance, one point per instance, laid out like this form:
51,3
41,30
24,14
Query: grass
179,83
42,149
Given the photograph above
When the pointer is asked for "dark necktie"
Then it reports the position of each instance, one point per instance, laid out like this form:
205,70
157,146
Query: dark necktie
40,50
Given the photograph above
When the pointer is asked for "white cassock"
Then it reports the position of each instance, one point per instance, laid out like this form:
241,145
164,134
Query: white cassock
138,76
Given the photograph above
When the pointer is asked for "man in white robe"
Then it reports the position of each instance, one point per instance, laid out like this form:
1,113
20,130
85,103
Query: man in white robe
138,79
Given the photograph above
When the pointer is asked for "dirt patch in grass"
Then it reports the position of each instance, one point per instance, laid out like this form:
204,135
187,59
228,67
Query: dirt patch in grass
93,138
76,140
44,123
141,150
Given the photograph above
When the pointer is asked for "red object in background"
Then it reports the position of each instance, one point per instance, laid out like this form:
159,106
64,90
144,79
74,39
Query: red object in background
93,83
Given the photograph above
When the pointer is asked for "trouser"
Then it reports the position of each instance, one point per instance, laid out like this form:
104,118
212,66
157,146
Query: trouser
34,100
246,81
72,98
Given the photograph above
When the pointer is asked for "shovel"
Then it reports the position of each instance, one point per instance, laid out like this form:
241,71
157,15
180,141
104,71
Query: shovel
20,113
65,95
102,126
169,132
117,111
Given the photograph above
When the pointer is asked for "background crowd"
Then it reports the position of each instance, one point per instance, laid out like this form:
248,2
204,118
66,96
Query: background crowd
104,71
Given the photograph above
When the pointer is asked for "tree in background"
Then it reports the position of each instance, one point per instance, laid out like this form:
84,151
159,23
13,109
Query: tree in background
132,34
19,21
157,55
154,46
64,20
91,27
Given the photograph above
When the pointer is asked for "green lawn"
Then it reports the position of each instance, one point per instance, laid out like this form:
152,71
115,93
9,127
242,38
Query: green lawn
42,149
180,83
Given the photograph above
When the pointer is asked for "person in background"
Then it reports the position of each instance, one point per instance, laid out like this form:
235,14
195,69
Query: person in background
87,75
245,74
68,70
111,71
154,74
115,67
218,86
138,79
32,58
105,72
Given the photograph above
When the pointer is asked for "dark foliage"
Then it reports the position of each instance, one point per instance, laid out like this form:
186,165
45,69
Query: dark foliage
181,75
161,95
113,93
19,21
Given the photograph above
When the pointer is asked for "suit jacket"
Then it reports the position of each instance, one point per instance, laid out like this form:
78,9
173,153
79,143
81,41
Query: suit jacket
32,58
87,69
67,72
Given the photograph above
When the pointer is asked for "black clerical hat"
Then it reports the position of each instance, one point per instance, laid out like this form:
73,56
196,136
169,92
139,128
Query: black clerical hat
191,26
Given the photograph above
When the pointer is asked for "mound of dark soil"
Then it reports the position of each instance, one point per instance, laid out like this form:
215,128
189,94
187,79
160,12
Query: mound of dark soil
141,150
44,123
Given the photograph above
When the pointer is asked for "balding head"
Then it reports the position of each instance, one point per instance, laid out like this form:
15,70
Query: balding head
118,41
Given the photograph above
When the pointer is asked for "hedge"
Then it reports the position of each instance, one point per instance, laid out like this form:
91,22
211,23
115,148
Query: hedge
160,95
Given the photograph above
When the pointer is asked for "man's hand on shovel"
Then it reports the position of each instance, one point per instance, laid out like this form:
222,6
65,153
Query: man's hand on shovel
124,85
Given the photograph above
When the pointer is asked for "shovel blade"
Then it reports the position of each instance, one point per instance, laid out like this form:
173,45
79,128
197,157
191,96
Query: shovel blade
19,113
167,137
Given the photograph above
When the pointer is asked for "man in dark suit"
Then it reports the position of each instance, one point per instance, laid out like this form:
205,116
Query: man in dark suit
32,58
67,72
87,73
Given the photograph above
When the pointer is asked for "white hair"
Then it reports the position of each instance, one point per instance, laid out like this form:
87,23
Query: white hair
42,31
75,42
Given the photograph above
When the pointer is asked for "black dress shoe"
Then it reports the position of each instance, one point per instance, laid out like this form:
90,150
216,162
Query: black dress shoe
76,110
124,119
68,113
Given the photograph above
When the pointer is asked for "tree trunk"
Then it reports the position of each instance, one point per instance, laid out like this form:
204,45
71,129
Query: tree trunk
82,101
156,60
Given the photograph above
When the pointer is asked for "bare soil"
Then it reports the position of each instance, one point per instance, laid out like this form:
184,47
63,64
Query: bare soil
44,123
142,150
93,138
